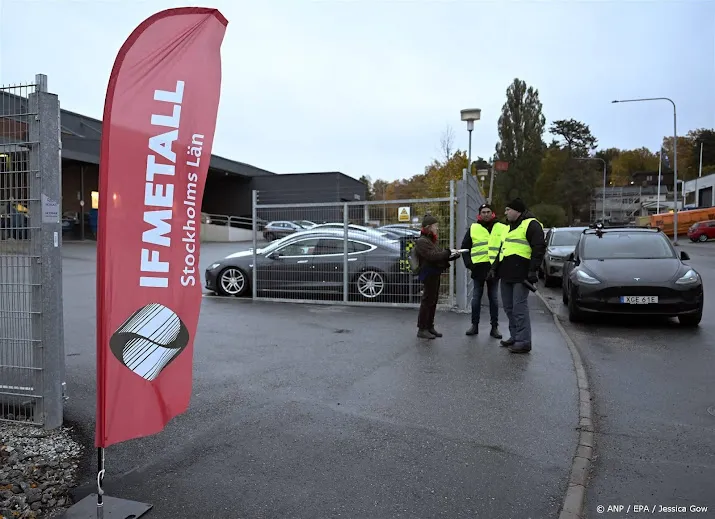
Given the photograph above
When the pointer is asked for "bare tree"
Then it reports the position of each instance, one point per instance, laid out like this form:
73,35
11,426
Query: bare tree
446,143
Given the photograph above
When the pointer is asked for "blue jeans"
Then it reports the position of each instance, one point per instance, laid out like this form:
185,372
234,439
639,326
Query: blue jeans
492,295
515,298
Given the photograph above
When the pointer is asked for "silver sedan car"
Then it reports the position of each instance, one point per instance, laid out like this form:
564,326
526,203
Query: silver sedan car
560,242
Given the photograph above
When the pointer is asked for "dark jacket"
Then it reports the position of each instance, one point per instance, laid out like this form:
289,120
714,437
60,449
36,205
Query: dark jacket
433,258
515,269
479,270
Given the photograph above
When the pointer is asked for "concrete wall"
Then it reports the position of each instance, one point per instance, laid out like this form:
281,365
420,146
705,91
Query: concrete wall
224,233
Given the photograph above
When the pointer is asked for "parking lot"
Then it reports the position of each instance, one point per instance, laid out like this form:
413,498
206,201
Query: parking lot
654,401
333,411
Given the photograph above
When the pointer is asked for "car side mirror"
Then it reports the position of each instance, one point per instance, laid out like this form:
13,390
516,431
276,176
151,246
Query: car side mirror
684,256
274,255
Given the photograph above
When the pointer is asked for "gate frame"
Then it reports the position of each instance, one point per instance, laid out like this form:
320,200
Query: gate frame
44,199
451,199
469,198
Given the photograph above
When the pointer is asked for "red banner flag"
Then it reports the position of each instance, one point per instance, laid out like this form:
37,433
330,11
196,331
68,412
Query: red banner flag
158,130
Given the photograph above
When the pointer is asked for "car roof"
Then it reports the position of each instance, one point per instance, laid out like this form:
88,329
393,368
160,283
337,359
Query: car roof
559,229
328,232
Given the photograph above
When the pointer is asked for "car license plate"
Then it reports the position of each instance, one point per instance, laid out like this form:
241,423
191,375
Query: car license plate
639,300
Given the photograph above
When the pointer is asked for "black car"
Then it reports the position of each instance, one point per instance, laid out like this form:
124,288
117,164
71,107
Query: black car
312,261
275,230
633,271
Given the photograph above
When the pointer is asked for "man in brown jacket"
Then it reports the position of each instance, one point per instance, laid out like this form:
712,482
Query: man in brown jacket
433,260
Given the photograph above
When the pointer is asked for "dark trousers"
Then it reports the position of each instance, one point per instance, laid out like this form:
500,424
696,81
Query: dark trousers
428,304
492,295
515,297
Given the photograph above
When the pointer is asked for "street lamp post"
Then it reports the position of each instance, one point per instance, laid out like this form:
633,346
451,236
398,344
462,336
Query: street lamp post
603,208
470,115
675,157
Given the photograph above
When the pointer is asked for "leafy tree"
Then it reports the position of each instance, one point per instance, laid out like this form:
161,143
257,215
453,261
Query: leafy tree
550,215
576,136
707,138
629,162
379,189
577,181
521,130
548,186
609,155
686,168
438,174
365,179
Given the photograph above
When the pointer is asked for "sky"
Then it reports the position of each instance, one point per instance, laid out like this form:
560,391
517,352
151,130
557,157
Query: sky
368,87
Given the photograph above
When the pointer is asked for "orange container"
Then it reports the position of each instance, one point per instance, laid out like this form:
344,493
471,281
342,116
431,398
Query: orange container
685,220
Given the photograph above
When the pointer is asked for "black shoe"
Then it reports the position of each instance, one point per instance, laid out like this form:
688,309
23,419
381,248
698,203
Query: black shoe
495,332
473,330
425,334
507,343
434,332
523,347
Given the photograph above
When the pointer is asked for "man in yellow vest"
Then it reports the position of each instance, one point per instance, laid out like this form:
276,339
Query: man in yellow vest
522,250
483,239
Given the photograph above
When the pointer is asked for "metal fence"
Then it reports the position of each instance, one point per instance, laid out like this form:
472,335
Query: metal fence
469,198
344,252
31,328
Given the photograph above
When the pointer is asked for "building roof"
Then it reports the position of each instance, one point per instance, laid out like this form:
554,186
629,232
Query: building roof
81,137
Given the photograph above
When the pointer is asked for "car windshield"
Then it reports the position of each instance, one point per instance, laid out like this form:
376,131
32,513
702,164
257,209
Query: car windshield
565,238
625,245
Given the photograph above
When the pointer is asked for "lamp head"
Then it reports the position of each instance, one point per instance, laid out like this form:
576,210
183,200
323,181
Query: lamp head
471,114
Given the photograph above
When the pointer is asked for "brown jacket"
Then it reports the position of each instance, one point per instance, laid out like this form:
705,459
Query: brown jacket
432,257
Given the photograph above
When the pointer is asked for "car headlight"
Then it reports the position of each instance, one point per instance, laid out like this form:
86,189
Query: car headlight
585,278
689,277
214,265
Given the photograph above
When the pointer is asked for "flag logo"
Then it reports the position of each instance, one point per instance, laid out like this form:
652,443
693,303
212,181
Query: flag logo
149,340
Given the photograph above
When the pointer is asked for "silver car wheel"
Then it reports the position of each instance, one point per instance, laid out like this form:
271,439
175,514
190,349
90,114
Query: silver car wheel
232,281
370,284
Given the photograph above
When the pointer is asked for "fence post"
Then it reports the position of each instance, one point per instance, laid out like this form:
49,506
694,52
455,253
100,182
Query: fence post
461,225
254,226
346,223
46,241
451,242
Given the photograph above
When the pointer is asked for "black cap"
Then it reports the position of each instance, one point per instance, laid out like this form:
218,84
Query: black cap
517,205
485,206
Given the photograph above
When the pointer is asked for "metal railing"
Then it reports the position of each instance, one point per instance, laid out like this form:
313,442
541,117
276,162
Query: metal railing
31,339
341,253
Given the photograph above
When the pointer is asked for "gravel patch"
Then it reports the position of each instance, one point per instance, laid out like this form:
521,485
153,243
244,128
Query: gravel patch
37,470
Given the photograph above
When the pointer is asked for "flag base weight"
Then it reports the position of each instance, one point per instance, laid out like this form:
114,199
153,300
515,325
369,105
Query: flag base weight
114,508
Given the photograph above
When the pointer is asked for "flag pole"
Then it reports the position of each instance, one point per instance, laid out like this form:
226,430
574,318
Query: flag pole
100,480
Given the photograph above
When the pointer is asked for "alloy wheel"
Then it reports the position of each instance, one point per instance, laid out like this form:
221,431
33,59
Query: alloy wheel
370,284
232,281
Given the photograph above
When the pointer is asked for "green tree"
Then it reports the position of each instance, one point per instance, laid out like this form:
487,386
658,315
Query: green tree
439,173
632,161
550,215
548,186
707,138
609,155
687,169
521,130
578,180
365,179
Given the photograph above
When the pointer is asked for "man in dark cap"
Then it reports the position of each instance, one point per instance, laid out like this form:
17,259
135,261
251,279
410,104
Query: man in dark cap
522,250
433,260
482,241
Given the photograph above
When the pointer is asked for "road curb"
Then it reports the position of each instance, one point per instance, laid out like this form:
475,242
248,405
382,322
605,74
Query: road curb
575,498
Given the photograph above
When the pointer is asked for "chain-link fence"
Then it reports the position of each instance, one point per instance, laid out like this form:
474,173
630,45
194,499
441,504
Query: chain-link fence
348,252
31,339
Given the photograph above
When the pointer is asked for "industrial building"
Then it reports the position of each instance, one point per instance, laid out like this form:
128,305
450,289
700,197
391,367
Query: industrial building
228,189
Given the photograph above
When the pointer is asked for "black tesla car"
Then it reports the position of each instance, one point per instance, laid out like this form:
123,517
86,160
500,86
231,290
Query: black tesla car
313,261
634,271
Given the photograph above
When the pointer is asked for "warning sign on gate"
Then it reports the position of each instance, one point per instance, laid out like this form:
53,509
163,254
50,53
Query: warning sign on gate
403,214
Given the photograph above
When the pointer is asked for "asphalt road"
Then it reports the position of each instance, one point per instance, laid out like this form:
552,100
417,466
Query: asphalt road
654,393
330,411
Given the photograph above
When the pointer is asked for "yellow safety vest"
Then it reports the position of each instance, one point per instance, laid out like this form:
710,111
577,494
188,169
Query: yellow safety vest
485,245
515,242
480,243
495,240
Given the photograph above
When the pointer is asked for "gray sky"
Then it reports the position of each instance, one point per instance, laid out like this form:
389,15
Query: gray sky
368,87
